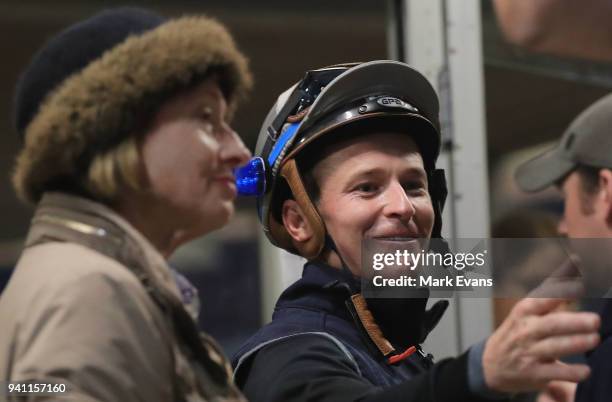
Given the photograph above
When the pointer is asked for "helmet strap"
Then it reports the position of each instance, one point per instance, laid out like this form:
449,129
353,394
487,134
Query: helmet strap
438,192
346,272
320,240
314,246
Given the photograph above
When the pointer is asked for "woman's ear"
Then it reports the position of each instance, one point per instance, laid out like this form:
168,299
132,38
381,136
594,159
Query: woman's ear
295,222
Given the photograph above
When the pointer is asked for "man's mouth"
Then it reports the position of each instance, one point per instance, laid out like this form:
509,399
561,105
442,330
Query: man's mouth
395,238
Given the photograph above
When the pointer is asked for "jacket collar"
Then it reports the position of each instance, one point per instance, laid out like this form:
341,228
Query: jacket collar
65,217
317,289
404,322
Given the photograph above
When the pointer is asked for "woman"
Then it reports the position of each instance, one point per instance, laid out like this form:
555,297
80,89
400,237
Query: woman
127,155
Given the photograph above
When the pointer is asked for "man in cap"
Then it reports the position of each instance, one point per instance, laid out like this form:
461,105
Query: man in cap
127,154
348,154
581,166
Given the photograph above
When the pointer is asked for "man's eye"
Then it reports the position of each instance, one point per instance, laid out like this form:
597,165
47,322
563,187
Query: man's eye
366,187
413,186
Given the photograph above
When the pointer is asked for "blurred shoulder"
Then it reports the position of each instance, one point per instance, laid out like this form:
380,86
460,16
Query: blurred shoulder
59,273
60,263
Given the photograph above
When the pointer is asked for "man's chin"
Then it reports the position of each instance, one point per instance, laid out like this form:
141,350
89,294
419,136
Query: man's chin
410,244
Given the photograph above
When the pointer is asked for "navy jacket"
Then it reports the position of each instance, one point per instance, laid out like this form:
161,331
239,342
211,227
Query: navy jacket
314,350
598,387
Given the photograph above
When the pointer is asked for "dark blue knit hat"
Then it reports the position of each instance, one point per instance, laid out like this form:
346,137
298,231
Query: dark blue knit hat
72,50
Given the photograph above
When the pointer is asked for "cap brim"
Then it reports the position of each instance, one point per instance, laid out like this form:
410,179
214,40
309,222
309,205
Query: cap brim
386,77
414,125
542,171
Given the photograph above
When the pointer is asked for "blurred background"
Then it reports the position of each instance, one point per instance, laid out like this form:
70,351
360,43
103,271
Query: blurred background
511,75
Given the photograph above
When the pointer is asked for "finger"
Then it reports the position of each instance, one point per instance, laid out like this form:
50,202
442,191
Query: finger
558,371
537,306
545,397
562,323
559,346
558,391
561,391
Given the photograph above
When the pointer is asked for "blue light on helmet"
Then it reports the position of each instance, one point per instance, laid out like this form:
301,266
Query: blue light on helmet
251,178
286,138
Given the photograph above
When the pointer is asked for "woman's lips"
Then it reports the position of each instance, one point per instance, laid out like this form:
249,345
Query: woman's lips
228,183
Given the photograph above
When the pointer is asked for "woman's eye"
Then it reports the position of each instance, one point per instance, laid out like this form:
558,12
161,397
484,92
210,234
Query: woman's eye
206,113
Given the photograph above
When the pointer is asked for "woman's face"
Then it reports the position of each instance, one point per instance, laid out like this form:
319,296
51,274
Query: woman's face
188,156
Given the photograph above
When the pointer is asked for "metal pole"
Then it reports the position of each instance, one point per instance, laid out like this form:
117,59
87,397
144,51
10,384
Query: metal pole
442,39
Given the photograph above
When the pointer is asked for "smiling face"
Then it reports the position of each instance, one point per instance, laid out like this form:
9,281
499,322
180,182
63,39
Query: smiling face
188,156
373,187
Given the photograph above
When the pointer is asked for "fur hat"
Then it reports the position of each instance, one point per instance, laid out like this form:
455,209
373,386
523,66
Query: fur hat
90,86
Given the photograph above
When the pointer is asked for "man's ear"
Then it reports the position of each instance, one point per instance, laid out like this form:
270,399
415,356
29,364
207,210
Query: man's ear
295,222
605,186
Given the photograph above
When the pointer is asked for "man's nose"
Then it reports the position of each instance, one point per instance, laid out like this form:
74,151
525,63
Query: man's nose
399,204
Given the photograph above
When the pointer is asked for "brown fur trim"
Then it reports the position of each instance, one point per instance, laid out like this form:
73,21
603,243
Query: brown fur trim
98,104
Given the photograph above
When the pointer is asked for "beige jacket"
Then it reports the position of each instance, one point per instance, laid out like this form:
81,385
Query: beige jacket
93,305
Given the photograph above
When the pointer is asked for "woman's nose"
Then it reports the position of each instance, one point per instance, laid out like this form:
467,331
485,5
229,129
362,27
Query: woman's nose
234,152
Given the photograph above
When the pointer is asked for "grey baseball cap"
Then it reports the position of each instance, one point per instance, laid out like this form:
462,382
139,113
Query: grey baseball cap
587,141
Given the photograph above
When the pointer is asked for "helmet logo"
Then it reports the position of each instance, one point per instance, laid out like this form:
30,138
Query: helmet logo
389,101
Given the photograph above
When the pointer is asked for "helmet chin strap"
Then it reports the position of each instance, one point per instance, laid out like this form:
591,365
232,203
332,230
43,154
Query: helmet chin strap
348,275
363,316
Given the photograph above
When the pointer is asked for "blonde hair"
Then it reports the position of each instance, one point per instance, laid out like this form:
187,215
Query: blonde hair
110,172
